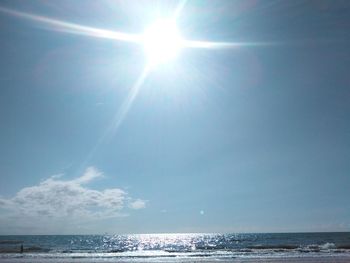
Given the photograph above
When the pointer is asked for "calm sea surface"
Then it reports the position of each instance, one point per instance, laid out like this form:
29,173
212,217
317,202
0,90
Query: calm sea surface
180,246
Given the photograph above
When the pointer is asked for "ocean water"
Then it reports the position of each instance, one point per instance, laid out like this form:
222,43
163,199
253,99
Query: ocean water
163,247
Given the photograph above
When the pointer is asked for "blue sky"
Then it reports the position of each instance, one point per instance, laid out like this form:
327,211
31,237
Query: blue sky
248,139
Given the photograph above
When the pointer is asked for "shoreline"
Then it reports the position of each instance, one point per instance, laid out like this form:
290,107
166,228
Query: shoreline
306,259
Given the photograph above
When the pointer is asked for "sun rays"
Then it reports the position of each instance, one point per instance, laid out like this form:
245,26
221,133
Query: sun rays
72,28
162,42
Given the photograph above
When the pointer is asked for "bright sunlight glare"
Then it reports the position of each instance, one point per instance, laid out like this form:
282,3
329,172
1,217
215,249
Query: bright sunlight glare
162,41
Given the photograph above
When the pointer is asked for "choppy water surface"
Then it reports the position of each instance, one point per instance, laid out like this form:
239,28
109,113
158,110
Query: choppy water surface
182,246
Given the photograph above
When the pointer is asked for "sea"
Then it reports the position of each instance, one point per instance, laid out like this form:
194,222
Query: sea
172,247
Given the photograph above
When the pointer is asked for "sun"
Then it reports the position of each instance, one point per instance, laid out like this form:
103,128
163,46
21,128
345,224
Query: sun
162,41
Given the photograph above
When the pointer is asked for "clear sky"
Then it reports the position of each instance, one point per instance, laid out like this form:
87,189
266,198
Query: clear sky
254,138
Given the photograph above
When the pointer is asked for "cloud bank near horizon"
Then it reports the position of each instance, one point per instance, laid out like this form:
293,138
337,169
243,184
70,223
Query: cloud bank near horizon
55,201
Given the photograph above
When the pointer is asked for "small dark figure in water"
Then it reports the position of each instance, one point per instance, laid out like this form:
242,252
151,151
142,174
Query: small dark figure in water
21,248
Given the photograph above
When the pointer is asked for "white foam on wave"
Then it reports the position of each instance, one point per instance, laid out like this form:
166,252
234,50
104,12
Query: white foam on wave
328,246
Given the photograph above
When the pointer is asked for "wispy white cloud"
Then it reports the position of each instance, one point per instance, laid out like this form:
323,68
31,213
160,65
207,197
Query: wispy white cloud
55,199
137,204
90,174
